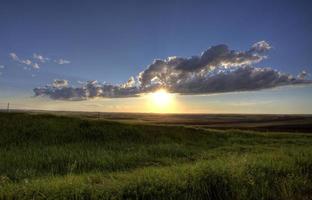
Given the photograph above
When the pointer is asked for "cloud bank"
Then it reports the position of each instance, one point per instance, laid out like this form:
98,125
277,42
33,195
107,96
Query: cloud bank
216,70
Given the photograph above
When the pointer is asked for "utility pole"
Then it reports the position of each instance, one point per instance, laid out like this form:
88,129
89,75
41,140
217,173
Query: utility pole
8,108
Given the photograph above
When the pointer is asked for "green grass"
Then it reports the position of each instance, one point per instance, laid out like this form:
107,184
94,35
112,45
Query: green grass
50,157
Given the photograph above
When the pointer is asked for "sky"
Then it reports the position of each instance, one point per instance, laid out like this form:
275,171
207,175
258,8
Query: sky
211,56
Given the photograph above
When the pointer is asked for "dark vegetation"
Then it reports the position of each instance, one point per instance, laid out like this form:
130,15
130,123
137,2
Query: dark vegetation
57,157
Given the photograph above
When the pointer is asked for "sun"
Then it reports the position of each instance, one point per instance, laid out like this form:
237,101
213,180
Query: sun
161,101
161,97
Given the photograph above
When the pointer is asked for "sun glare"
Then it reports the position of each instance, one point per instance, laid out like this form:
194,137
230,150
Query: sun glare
162,101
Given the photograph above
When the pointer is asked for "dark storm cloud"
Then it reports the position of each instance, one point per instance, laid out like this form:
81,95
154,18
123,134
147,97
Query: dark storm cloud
216,70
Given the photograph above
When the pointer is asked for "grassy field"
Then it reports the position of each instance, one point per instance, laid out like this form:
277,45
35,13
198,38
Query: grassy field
258,122
57,157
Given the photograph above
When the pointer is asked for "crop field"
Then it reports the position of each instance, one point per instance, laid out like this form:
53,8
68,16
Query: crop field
137,156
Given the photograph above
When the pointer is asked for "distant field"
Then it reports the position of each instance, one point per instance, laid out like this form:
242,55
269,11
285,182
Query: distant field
145,156
281,123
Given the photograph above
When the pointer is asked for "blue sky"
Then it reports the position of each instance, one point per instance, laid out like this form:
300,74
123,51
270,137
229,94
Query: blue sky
113,40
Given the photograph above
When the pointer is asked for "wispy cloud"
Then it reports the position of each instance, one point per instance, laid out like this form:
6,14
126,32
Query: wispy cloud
62,61
34,61
1,68
216,70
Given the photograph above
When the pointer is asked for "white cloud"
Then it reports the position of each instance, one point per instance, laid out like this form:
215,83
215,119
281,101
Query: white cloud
40,58
14,56
26,62
129,84
60,83
303,74
34,62
36,66
261,47
62,61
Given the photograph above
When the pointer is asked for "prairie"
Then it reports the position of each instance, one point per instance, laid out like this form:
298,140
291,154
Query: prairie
112,156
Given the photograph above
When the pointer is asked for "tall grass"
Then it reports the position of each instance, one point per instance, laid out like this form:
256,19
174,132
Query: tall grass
49,157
